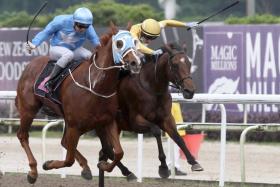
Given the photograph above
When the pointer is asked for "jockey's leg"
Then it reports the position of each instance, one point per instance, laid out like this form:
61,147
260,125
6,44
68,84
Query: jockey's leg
82,53
63,57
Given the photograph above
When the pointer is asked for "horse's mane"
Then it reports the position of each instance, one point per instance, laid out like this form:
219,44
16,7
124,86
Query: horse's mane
166,48
104,39
172,46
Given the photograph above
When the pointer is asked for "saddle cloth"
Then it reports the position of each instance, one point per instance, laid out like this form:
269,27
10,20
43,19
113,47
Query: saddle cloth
39,87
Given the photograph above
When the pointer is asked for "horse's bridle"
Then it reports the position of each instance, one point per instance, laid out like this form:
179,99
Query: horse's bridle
178,83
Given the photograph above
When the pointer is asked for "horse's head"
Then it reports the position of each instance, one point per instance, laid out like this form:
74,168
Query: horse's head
180,70
124,51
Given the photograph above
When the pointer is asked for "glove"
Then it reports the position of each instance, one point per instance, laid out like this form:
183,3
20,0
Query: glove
191,24
157,52
30,46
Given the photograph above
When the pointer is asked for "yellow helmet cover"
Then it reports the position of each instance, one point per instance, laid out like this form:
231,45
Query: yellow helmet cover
150,27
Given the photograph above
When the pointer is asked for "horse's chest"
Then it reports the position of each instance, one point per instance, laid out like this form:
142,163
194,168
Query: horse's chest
154,111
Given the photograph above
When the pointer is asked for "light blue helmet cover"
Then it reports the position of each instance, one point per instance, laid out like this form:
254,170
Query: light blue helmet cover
83,15
128,43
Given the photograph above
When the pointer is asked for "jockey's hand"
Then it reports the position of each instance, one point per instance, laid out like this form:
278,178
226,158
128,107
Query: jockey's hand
191,25
157,52
30,46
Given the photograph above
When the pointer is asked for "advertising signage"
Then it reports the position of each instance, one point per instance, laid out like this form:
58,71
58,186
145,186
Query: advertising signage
14,56
242,59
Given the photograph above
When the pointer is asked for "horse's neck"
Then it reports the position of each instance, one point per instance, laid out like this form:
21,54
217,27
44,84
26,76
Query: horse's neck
103,79
156,76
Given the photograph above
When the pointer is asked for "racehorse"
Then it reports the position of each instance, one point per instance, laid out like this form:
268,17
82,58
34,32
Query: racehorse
88,101
145,103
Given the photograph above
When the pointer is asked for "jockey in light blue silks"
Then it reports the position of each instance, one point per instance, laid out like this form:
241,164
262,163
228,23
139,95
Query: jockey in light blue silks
68,33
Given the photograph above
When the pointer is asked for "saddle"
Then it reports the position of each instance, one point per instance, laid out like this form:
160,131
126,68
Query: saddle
39,86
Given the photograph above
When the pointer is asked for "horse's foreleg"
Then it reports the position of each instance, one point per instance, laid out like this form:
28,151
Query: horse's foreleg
141,125
86,172
163,170
169,126
23,136
112,136
107,152
72,137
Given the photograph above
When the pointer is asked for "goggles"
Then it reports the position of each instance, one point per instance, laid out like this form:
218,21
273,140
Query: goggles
148,37
81,25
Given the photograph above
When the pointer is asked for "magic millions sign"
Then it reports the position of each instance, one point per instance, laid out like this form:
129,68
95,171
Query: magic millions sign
242,59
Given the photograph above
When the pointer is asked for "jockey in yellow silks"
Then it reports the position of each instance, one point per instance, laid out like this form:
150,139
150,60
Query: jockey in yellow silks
150,29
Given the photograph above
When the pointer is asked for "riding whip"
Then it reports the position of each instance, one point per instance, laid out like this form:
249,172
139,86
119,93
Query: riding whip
37,13
218,12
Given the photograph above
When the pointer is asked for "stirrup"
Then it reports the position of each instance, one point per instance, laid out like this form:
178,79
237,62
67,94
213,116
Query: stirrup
49,86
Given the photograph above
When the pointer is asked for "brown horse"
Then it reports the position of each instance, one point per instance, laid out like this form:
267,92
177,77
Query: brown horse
91,106
145,103
145,100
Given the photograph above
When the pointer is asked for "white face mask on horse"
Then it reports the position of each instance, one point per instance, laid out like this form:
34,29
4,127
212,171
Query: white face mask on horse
122,44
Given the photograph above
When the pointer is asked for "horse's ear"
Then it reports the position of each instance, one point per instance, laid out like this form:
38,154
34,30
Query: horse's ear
167,48
129,25
114,28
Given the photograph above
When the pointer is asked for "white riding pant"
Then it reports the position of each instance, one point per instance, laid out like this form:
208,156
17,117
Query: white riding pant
64,55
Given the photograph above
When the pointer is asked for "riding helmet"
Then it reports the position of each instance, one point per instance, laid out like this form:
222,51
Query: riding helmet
150,28
83,15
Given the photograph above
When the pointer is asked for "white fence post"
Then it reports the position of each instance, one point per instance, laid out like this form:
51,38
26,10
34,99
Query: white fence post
140,158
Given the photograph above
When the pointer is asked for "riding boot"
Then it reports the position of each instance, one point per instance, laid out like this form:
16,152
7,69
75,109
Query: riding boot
55,72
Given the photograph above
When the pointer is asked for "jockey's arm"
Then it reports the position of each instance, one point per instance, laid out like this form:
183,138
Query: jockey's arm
172,23
93,37
144,49
51,28
136,32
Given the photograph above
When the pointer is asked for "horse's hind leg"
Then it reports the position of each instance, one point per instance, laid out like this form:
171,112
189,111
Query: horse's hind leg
72,136
163,170
86,172
170,127
27,114
112,136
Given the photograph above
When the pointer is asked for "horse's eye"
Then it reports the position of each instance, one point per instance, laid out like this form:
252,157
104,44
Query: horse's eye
119,44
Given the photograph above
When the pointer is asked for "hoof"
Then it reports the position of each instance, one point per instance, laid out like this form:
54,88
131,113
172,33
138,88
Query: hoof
178,172
31,179
197,167
45,165
103,165
86,174
164,172
131,177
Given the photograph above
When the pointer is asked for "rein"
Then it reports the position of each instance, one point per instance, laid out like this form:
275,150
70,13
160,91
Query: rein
178,82
90,88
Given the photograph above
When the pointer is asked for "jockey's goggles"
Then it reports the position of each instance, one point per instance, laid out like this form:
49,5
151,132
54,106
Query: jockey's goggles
148,37
81,25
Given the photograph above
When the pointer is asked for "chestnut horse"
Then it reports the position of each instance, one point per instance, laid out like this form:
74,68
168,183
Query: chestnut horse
145,103
88,103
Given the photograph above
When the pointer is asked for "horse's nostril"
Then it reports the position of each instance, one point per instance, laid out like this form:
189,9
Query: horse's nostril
133,63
